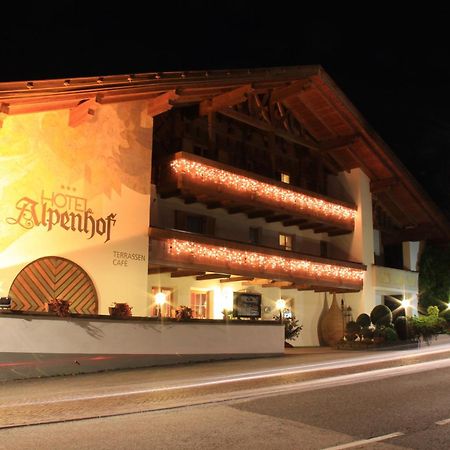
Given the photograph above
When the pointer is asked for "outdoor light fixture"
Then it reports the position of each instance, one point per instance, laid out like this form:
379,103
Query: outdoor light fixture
160,299
280,305
405,303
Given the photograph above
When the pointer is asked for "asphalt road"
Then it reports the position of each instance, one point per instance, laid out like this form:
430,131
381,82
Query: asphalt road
415,406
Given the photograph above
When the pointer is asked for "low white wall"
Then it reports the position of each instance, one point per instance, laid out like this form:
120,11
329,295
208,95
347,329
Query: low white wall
33,334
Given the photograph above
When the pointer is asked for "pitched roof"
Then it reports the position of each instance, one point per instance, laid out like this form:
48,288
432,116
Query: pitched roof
335,129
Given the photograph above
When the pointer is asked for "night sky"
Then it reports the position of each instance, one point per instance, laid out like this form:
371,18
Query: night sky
393,66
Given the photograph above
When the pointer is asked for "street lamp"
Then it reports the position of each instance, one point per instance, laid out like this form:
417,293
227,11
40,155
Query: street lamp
280,305
160,299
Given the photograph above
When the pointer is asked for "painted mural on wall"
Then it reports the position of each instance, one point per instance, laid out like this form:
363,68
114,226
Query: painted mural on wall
81,193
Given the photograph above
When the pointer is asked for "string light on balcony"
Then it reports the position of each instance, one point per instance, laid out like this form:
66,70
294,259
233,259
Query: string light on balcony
239,183
300,268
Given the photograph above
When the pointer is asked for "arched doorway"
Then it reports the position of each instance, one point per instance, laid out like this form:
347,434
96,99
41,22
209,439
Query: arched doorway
53,277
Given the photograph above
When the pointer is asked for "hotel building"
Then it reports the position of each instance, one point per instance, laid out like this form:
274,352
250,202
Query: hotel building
222,190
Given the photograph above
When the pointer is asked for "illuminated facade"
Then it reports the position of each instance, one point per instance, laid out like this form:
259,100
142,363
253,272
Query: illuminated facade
169,190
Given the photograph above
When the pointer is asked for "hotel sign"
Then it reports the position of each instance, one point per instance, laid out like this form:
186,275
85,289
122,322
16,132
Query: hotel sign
66,211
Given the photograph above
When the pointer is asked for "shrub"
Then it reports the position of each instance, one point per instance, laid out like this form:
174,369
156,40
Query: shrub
381,315
121,310
353,330
401,327
390,335
367,333
385,334
426,327
183,313
292,328
363,320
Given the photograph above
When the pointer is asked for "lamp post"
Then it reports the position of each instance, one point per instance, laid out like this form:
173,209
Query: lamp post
160,299
280,305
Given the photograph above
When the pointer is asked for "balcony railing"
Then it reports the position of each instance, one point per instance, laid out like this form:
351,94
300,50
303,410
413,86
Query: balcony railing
191,251
395,280
221,186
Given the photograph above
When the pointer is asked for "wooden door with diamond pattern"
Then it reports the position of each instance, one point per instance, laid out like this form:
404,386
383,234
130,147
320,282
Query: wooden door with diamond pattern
51,278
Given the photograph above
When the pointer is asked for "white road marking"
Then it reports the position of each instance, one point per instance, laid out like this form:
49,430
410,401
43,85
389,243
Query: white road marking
365,441
442,422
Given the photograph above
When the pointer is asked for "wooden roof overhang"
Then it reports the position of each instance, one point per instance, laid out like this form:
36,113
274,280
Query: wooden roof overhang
218,185
198,254
333,129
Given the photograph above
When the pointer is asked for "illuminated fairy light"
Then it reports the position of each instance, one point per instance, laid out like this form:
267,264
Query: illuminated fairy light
239,183
240,258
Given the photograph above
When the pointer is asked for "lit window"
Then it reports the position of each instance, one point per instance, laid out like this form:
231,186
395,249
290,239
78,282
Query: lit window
166,309
285,178
286,241
200,304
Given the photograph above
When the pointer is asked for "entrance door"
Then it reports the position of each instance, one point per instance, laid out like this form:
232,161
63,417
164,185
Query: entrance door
53,278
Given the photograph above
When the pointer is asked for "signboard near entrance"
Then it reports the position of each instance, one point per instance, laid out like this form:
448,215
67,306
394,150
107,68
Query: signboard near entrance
247,305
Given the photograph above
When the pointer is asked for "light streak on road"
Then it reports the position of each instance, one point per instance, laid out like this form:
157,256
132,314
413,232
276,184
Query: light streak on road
227,381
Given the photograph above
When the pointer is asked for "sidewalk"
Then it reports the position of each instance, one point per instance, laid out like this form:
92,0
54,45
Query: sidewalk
126,391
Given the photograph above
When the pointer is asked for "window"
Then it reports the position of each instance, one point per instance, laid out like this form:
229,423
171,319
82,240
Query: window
286,241
200,304
167,309
254,235
195,223
285,178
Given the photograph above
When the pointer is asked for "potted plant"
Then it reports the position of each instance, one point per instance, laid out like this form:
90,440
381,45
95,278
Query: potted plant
183,313
59,307
120,310
227,314
291,330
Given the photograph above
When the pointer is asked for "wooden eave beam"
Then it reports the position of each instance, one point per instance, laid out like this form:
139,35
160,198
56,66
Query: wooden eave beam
278,218
279,284
212,276
338,143
228,99
236,279
259,213
292,222
162,269
384,184
83,112
308,225
295,88
339,232
238,209
162,103
186,273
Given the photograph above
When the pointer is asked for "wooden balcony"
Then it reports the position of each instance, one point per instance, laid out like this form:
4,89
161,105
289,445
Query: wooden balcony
196,179
190,254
